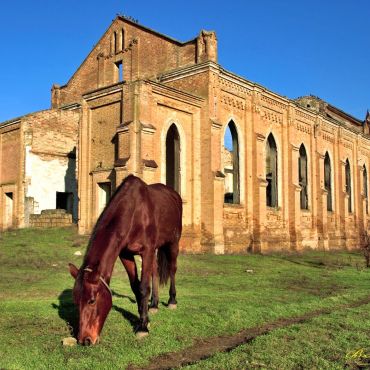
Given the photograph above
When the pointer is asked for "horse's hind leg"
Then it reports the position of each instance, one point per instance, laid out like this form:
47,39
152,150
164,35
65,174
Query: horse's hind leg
173,253
153,307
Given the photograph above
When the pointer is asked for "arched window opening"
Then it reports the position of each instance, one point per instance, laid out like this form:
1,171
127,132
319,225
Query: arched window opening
271,172
302,173
364,174
122,40
348,185
231,165
115,41
327,182
173,158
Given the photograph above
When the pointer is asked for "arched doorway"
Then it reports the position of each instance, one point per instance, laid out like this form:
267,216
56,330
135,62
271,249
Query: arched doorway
173,158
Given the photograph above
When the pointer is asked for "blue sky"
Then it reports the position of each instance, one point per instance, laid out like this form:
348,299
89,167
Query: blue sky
293,48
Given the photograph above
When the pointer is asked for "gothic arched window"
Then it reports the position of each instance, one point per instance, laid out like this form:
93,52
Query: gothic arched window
327,181
115,42
348,185
231,165
302,173
173,158
121,40
365,189
271,172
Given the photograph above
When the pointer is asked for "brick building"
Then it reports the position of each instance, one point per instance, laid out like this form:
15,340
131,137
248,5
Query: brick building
296,174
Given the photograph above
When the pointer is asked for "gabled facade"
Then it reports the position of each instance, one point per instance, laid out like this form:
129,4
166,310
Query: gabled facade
294,175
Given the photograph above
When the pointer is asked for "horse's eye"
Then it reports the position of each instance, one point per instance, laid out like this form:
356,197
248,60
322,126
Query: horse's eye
91,302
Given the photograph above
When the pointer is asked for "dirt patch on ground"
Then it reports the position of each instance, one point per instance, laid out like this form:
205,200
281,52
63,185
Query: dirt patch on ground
205,348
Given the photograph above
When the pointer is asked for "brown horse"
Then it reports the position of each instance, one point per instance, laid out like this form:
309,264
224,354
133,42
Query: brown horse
140,219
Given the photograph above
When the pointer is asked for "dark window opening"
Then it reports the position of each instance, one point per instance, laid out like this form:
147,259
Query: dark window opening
65,201
271,172
231,165
348,185
115,42
173,158
327,182
119,71
365,190
122,39
302,173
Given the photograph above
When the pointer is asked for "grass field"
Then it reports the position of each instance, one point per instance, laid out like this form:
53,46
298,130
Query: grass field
218,297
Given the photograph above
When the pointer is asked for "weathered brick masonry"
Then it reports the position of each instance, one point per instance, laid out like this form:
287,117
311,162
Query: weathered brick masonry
38,165
296,175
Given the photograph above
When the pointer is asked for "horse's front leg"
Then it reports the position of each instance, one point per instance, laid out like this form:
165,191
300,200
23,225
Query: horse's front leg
129,263
146,273
153,307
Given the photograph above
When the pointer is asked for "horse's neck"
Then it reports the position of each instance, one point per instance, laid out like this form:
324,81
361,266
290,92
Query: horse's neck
103,255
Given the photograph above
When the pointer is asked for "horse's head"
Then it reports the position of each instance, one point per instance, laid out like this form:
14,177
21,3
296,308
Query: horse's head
93,297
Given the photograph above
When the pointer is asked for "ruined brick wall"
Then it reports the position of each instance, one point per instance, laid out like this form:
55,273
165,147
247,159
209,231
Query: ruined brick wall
10,155
104,122
123,127
53,131
51,218
50,145
10,175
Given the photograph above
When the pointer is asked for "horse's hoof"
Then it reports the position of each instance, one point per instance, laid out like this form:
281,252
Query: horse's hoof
141,334
172,306
153,310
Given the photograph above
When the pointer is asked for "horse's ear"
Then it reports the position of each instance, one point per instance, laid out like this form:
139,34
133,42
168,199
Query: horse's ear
73,270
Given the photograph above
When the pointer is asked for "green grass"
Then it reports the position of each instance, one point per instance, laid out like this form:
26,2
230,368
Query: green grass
216,296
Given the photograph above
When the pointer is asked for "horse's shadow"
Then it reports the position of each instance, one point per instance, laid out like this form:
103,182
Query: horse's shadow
127,315
68,312
115,294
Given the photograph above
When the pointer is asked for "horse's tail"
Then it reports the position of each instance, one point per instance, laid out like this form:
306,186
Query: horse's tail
163,258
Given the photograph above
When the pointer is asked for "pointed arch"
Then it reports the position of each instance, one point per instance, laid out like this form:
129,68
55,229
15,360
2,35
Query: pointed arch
271,172
115,42
121,45
173,158
348,184
365,187
231,164
328,182
303,176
